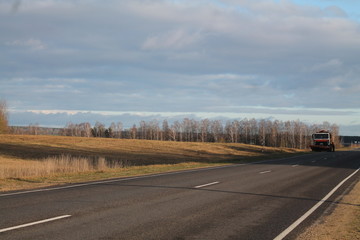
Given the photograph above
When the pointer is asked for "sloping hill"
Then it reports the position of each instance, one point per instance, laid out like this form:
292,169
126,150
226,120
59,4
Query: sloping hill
38,160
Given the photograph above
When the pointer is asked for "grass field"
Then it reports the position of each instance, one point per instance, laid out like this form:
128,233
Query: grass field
28,161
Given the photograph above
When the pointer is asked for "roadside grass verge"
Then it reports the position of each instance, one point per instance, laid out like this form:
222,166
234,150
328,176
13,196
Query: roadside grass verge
21,183
36,161
52,166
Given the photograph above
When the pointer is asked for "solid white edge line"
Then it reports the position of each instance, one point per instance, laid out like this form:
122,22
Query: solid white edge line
205,185
34,223
308,213
144,176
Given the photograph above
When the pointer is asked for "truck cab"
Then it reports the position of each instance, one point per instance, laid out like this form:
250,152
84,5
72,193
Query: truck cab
322,141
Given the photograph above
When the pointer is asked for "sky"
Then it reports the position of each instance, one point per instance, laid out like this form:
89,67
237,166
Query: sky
133,60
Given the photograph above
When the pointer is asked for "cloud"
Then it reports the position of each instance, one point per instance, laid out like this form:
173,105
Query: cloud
182,56
15,6
31,43
329,65
334,11
171,40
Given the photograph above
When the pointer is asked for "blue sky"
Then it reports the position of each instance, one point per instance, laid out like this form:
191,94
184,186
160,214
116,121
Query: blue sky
138,60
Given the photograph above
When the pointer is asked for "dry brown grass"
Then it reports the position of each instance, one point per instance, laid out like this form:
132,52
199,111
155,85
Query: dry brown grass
26,157
136,152
17,168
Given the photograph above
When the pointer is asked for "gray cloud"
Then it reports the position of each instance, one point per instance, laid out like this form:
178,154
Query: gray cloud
177,55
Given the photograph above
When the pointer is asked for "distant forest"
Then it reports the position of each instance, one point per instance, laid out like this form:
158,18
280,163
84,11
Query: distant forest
291,134
263,132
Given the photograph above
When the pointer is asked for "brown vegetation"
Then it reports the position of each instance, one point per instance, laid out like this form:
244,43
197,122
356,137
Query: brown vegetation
128,151
17,168
25,157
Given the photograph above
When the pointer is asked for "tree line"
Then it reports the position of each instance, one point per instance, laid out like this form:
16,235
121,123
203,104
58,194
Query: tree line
265,132
272,133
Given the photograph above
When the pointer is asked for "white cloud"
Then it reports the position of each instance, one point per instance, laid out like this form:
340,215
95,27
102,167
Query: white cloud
31,43
47,112
171,40
329,65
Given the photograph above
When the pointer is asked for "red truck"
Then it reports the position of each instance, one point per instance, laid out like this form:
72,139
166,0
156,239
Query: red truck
322,141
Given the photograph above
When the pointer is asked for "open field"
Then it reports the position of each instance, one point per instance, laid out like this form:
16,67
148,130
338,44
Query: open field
32,161
39,161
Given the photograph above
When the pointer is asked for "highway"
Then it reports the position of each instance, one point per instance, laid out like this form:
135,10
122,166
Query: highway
249,201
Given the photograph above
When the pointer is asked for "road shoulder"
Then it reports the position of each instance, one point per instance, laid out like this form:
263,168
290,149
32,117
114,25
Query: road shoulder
342,224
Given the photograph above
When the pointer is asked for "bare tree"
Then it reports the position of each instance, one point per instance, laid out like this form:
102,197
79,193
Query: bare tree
165,131
204,129
187,129
98,130
143,129
113,129
262,132
244,131
85,129
232,130
216,130
116,129
4,124
292,134
334,129
253,130
133,132
273,141
177,129
154,130
69,129
173,133
34,129
195,130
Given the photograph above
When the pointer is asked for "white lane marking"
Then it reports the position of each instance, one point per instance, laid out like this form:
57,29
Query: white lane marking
117,180
205,185
296,165
308,213
34,223
144,176
268,171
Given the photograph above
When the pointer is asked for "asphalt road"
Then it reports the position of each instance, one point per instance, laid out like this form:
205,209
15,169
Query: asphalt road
254,201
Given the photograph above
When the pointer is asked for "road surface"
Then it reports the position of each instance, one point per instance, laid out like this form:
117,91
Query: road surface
252,201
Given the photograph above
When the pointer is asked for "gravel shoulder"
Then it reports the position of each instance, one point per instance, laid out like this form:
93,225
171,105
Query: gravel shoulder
341,224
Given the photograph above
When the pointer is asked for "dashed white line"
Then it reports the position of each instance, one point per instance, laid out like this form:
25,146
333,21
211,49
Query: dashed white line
316,206
205,185
268,171
34,223
296,165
